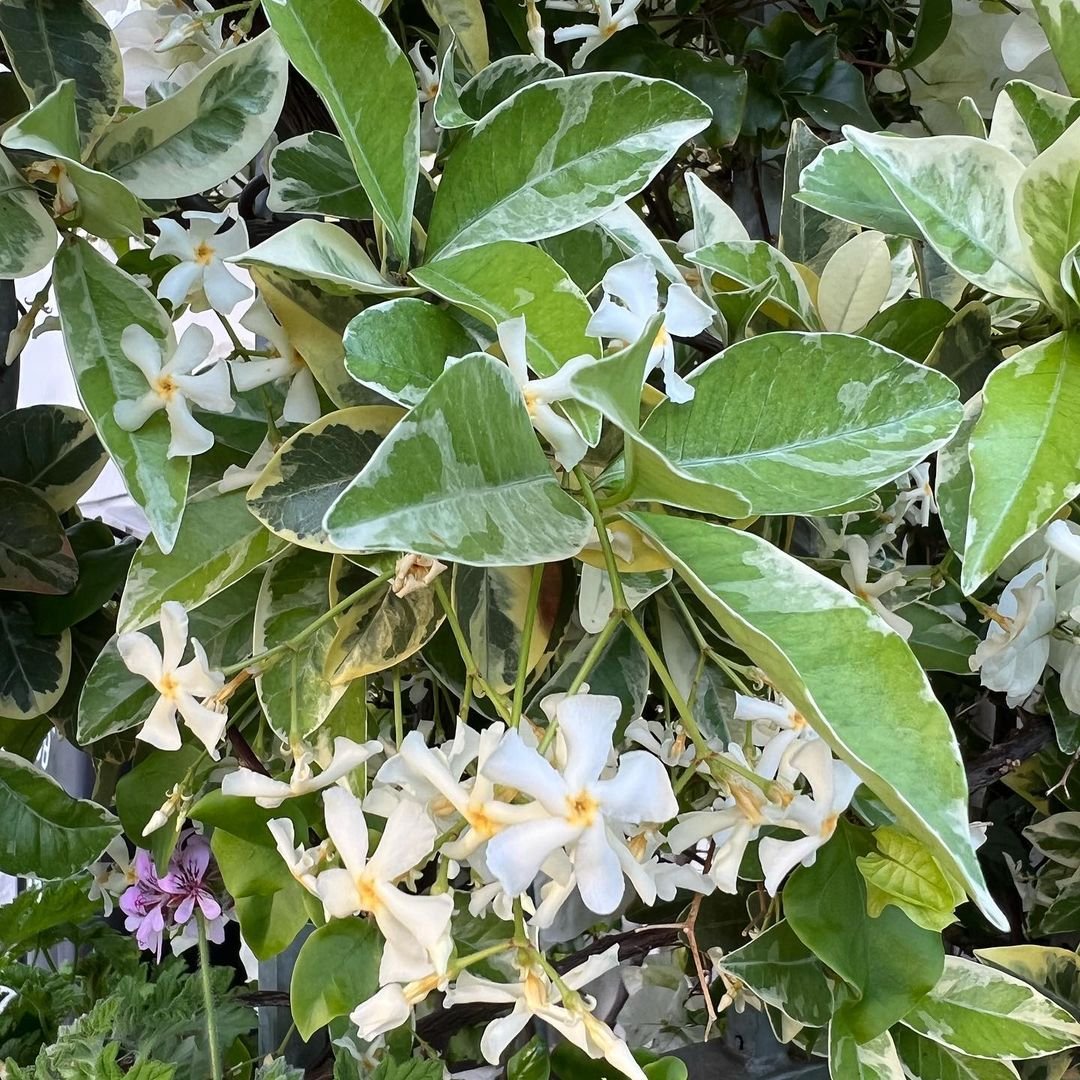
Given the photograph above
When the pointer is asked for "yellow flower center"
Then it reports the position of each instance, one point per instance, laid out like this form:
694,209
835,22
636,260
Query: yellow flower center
479,820
535,992
581,809
662,338
369,898
168,686
204,254
748,801
166,387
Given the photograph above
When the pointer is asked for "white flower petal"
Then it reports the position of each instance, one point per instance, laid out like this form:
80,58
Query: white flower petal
512,341
302,401
586,724
179,282
520,767
265,790
207,725
142,349
685,313
174,634
596,866
223,291
347,828
407,840
640,791
382,1012
633,281
516,854
191,350
189,437
141,655
130,415
160,729
500,1033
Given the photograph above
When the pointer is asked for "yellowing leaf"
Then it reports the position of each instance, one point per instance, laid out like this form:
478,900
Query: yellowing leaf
855,283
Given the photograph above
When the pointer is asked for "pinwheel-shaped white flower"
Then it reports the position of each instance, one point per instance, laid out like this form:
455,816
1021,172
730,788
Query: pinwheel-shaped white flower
302,862
201,277
577,810
271,793
631,300
174,388
535,996
608,24
568,445
413,573
833,785
111,874
739,817
917,501
855,574
302,398
1014,653
416,928
180,685
391,1006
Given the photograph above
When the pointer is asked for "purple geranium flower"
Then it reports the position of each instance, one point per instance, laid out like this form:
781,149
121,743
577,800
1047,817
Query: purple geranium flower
185,881
144,905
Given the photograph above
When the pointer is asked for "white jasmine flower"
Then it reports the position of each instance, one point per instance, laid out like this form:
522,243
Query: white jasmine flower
391,1006
1063,539
738,818
302,862
568,445
180,687
833,785
416,928
534,29
270,793
917,501
534,995
55,172
653,879
633,284
1014,653
413,573
666,741
174,800
592,37
201,278
581,812
111,874
237,476
302,398
427,76
174,388
855,575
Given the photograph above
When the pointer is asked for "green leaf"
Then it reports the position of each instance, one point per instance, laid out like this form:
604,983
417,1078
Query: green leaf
219,541
782,971
806,235
911,327
582,145
34,667
939,642
979,1011
966,350
1058,838
531,1062
97,301
313,467
842,183
35,554
377,114
313,174
41,916
46,832
1023,452
838,417
400,348
28,234
381,631
1060,19
960,191
888,961
902,872
205,132
1046,198
953,482
613,385
270,923
738,264
466,19
503,78
801,628
854,1059
115,699
924,1059
53,449
413,1069
48,41
103,566
931,30
296,591
319,251
447,111
491,603
485,282
462,478
105,206
337,969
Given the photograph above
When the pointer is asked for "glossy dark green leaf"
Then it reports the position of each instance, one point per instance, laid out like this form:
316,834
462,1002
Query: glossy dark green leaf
35,553
34,668
46,832
911,326
531,1062
966,350
931,29
889,962
338,967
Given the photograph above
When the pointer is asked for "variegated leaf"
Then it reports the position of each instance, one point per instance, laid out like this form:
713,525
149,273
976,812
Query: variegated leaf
205,132
313,467
924,1059
34,668
1060,20
581,145
313,174
463,478
502,79
27,233
852,1060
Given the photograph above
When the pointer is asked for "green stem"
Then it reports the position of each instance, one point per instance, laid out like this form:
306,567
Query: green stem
472,670
208,998
299,638
399,720
531,609
474,958
618,597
